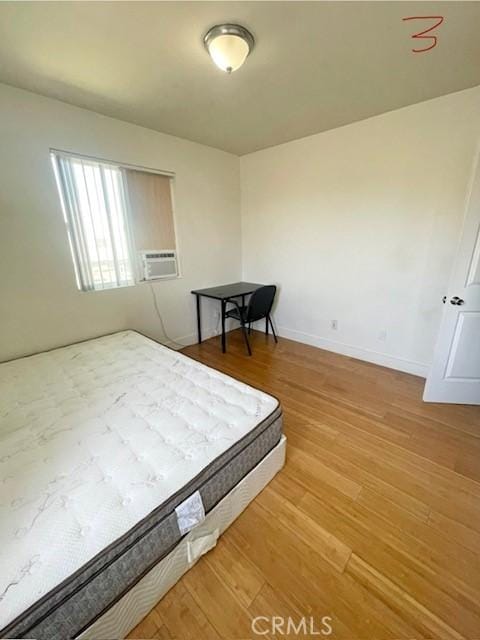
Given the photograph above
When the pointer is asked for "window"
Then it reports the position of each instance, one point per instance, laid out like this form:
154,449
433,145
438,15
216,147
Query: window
112,213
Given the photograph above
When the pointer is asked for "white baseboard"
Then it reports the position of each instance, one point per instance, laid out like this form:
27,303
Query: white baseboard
376,357
185,341
192,338
383,359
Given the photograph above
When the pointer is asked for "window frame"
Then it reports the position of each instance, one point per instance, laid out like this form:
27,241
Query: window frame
131,248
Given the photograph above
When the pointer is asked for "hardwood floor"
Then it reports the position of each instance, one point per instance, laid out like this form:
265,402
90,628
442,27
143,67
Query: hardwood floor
374,520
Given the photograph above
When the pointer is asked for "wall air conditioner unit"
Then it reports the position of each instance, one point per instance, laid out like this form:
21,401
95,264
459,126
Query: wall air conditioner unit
159,264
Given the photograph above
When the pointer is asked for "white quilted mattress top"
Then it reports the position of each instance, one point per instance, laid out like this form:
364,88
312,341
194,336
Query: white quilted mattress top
95,436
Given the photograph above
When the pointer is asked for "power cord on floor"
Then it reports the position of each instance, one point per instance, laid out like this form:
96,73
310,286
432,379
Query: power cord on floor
162,324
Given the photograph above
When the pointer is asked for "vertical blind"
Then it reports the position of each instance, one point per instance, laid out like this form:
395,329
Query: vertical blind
151,212
95,210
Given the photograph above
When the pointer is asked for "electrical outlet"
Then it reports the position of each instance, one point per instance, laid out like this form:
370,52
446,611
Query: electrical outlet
334,325
382,335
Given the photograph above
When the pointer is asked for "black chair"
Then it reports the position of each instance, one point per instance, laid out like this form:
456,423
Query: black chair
259,306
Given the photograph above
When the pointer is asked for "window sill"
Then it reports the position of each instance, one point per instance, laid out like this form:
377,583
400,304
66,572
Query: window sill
153,280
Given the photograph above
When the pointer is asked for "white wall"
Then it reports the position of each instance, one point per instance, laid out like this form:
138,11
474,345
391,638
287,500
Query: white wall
360,224
40,306
357,224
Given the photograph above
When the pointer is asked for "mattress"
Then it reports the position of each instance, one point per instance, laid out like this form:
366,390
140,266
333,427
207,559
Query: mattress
99,443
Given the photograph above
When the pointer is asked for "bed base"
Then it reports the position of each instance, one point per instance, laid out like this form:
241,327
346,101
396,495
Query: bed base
123,616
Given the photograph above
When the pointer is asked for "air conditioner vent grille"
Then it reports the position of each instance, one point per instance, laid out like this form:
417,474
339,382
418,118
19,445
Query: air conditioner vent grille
163,254
159,264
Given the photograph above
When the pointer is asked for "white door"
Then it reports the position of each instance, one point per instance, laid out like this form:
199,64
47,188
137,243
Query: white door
455,373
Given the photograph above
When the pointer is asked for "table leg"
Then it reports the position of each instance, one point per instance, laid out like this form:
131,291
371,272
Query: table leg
223,325
199,321
243,306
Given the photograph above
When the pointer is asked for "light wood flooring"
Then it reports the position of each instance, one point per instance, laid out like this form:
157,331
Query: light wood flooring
374,520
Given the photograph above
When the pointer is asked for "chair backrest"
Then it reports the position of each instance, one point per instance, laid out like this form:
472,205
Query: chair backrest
260,303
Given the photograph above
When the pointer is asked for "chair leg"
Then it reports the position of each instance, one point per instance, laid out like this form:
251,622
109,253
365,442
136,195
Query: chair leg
247,343
266,325
249,328
273,330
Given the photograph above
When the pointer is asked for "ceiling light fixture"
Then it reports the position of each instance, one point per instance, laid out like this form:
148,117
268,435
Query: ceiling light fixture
228,45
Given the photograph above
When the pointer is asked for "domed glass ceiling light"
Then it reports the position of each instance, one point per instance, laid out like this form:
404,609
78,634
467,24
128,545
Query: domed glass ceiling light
228,45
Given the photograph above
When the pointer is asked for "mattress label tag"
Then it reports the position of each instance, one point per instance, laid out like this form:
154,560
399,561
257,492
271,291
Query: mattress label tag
190,512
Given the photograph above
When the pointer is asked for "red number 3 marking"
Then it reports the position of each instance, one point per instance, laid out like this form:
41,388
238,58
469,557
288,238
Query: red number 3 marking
422,35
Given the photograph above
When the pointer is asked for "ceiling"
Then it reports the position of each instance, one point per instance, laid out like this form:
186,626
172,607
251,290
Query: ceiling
315,66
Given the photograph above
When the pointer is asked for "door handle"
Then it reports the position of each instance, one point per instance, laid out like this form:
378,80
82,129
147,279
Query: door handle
457,301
